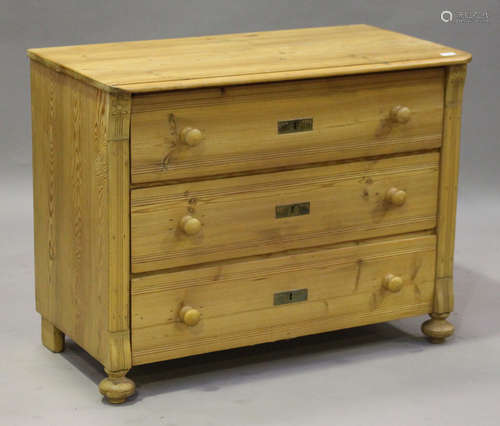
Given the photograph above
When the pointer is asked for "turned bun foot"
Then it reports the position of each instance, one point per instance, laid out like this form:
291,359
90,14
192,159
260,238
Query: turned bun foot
437,329
116,387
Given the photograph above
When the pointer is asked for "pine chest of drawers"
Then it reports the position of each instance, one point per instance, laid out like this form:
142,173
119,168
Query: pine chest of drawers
199,194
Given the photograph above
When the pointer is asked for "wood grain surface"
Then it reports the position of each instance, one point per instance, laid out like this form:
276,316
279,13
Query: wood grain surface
238,215
345,289
448,188
81,213
351,118
219,60
170,210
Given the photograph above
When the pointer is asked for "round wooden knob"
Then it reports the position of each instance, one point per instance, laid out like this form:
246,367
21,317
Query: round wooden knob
400,114
393,283
395,196
190,225
191,136
189,316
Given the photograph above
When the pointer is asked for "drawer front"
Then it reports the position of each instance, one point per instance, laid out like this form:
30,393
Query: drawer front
346,287
267,126
197,222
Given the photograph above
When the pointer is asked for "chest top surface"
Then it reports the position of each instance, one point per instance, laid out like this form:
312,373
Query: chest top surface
184,63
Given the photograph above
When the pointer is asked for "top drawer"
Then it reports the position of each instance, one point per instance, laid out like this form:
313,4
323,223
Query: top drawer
265,126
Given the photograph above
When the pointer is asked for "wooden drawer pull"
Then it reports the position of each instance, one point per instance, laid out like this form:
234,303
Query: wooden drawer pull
395,196
189,316
191,136
190,225
393,283
400,114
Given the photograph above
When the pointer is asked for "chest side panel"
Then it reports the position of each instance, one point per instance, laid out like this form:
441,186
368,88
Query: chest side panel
81,212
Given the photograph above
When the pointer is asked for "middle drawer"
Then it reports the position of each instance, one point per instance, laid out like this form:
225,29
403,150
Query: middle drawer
199,222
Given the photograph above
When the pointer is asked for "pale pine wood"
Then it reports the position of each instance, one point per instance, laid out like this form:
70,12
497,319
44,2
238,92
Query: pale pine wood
352,118
155,65
189,316
191,136
448,187
395,196
190,225
116,387
158,166
52,337
81,213
238,214
118,209
346,289
400,114
437,329
393,283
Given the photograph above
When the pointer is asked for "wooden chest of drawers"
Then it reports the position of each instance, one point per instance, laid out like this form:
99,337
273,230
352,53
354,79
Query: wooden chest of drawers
201,194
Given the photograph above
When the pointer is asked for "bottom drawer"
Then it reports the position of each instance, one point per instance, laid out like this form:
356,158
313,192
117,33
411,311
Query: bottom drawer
347,286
